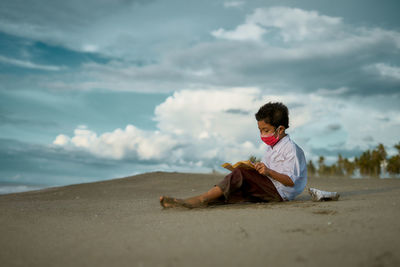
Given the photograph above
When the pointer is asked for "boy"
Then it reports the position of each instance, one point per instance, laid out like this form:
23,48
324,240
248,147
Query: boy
280,176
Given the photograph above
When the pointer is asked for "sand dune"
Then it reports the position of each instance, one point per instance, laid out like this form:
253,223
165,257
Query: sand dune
120,223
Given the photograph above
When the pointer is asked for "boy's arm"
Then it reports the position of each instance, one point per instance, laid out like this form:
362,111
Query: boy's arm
283,178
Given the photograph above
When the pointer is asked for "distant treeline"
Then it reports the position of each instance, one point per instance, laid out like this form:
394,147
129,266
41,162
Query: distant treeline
371,163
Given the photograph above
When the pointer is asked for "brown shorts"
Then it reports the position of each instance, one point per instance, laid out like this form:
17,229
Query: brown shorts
247,185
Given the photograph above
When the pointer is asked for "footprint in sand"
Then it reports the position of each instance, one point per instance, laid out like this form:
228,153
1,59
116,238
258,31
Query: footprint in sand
325,212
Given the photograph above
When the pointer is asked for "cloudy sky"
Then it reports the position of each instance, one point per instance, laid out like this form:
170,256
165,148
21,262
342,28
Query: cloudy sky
94,90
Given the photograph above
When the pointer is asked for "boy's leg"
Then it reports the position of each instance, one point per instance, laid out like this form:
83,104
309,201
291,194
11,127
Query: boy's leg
192,202
248,185
203,199
238,186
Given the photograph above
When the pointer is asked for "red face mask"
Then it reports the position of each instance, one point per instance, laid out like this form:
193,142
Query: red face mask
270,140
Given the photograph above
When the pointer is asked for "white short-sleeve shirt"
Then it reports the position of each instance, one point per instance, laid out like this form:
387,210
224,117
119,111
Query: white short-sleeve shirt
287,158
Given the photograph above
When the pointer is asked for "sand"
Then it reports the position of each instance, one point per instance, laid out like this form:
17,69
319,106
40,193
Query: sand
120,223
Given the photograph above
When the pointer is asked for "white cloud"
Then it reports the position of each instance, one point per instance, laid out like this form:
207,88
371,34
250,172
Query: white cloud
193,127
245,32
206,113
305,34
295,24
121,143
332,92
385,71
90,48
28,64
61,140
281,48
204,128
233,4
83,137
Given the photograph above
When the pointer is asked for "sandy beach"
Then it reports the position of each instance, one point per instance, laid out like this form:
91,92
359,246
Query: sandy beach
121,223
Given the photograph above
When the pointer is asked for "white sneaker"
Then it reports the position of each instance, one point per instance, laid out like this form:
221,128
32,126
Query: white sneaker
319,195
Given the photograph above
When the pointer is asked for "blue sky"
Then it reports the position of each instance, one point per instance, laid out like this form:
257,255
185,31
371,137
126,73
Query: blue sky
94,90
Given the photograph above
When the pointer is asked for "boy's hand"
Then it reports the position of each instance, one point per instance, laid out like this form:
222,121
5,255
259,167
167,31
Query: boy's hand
261,168
282,178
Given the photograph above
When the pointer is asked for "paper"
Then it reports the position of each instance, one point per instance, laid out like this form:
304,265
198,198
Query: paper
247,164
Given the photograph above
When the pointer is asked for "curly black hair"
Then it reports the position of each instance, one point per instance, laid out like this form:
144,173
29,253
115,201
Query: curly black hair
276,114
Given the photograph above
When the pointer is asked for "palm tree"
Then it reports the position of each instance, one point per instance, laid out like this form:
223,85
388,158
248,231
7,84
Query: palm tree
378,155
321,166
393,166
349,167
339,171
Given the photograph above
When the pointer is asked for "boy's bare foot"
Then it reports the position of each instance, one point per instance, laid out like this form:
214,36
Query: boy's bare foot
170,202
